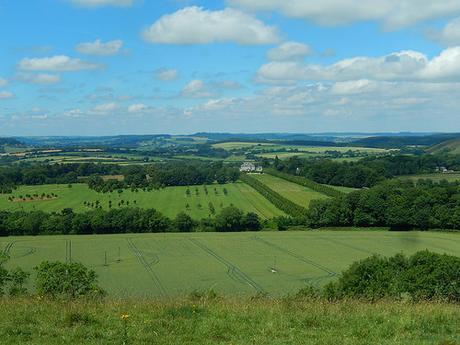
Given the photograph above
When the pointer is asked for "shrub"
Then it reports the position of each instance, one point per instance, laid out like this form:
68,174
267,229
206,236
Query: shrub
70,280
423,276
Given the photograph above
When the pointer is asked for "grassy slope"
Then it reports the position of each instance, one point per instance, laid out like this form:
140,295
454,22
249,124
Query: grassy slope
170,200
299,194
450,146
234,263
237,322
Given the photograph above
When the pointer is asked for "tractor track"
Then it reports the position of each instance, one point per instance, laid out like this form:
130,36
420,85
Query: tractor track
148,268
340,243
232,271
8,247
329,273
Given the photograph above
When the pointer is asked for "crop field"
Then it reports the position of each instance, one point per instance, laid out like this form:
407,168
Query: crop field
170,201
296,193
168,265
302,149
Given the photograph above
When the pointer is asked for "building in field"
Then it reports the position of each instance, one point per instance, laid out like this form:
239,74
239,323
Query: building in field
249,167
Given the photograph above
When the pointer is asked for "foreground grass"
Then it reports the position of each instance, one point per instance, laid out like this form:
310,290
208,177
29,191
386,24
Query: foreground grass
227,321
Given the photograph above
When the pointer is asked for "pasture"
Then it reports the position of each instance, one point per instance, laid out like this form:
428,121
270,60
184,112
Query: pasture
169,265
296,193
170,200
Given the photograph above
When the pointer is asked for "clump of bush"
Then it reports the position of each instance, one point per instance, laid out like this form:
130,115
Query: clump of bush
14,281
57,279
424,276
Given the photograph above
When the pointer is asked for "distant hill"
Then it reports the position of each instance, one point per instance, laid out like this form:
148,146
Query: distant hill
449,146
395,142
10,142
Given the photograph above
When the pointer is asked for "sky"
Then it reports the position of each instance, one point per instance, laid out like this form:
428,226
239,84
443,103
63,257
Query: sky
107,67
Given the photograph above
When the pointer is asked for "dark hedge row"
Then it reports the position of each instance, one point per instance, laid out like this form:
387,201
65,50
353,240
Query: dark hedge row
275,198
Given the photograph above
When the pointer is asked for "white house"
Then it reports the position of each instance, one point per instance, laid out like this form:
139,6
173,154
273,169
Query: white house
250,167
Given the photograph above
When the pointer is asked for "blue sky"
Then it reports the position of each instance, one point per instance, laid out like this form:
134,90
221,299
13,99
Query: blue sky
100,67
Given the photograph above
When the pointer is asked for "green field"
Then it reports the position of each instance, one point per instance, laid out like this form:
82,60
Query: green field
299,194
170,201
168,265
451,177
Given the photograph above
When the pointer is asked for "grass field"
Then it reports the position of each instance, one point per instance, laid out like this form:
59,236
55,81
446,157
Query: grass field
227,321
311,149
451,177
299,194
168,265
170,201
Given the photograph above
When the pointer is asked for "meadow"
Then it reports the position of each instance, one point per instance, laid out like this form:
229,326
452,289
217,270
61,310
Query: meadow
296,193
170,200
243,264
227,321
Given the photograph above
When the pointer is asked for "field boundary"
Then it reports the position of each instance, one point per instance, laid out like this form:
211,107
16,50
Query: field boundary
303,181
232,271
287,206
148,268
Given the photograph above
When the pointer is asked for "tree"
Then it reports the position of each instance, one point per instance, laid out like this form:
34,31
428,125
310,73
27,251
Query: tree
184,223
251,222
229,220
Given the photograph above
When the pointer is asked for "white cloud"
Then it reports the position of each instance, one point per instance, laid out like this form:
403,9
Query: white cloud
196,89
3,82
100,48
393,14
6,95
101,3
166,74
449,35
289,51
195,25
58,63
42,78
404,66
105,108
137,108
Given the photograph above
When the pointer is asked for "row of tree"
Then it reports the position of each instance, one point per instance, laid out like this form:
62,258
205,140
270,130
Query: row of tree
401,205
284,204
366,172
125,220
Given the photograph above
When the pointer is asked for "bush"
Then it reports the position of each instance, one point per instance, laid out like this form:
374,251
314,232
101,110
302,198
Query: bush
69,280
423,276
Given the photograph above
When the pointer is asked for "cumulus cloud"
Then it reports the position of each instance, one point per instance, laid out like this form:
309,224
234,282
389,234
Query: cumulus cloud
195,25
393,14
101,3
404,65
58,63
449,35
100,48
3,82
289,51
166,74
196,89
137,108
6,95
105,108
42,78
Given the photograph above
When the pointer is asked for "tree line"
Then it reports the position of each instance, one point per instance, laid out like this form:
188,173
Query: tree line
399,204
284,204
366,172
118,221
134,176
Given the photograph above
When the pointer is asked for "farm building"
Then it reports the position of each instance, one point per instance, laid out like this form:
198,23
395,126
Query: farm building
250,167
